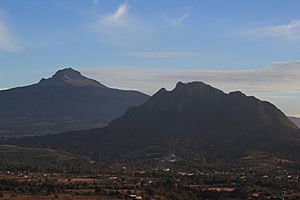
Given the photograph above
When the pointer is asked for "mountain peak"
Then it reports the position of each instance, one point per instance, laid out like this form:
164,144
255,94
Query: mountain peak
194,84
67,72
192,101
69,76
196,87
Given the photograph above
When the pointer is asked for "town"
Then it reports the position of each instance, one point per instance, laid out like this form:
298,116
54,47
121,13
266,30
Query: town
253,177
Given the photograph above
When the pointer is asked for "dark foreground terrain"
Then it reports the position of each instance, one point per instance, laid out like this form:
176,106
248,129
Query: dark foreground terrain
32,173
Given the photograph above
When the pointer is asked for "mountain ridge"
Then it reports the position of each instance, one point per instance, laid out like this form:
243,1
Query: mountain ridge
66,101
296,120
193,120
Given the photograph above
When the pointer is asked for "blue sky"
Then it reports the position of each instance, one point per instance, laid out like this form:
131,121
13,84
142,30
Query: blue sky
253,46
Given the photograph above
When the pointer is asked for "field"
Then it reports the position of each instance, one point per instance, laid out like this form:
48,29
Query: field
257,176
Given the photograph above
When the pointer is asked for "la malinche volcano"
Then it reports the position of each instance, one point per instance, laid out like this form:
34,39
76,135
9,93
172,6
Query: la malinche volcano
194,120
66,101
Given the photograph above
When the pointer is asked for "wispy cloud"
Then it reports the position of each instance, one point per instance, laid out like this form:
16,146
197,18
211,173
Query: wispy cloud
113,27
162,54
297,116
176,21
3,89
119,17
118,27
7,42
280,77
288,96
289,31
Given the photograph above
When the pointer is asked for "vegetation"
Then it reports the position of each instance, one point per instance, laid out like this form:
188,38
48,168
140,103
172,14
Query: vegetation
257,176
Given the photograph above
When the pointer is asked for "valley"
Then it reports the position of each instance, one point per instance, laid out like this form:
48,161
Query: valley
257,176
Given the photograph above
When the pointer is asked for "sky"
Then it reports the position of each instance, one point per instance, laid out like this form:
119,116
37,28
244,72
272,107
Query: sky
248,45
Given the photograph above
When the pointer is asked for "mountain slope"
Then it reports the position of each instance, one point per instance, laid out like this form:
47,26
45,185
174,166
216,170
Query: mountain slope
295,120
66,101
192,121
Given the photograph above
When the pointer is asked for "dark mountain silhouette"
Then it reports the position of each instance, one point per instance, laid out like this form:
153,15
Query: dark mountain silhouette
69,76
295,120
192,121
66,101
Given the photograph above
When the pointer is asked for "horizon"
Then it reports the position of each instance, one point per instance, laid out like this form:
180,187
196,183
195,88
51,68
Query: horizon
161,99
148,45
169,88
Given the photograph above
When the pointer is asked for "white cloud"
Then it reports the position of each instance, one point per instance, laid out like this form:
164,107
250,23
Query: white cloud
289,31
7,42
118,17
176,21
162,54
280,77
119,27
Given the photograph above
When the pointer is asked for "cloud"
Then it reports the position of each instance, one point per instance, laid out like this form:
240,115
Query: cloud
297,116
280,77
288,96
289,31
176,21
119,27
118,17
7,42
162,54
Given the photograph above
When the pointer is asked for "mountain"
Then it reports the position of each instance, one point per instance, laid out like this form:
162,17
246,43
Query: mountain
295,120
192,121
66,101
